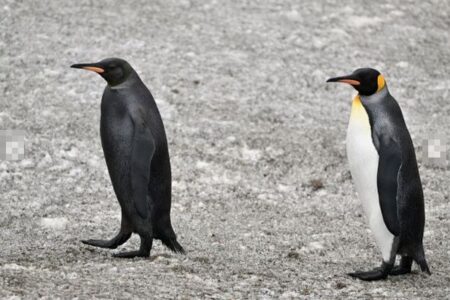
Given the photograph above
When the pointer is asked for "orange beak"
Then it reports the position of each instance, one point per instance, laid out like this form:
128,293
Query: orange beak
345,79
350,81
95,69
91,67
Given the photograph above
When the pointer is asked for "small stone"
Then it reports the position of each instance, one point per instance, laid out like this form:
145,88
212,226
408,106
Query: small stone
316,184
340,285
293,255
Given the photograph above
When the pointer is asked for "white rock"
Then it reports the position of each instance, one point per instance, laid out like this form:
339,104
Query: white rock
284,188
315,245
362,21
290,295
250,154
62,165
180,185
293,15
94,162
76,172
322,192
402,64
72,153
231,138
202,165
397,13
72,275
27,164
167,110
14,266
54,223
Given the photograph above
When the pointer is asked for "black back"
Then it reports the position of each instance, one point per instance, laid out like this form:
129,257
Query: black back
399,184
124,108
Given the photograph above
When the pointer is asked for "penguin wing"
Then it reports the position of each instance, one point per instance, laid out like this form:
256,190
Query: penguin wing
143,148
390,160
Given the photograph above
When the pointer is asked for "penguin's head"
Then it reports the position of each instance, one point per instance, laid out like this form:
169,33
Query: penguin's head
366,81
113,70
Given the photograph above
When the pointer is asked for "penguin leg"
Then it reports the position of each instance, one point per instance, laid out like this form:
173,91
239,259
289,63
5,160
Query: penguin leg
376,274
144,228
144,249
404,267
164,231
123,236
386,265
138,206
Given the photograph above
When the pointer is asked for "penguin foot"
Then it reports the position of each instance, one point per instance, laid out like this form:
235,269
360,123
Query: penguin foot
113,243
132,254
144,249
376,274
399,270
404,267
100,243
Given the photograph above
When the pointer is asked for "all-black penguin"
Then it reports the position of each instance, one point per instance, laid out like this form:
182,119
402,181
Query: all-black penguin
136,152
384,169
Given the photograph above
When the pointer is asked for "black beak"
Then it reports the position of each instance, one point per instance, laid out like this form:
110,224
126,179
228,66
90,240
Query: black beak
350,79
95,67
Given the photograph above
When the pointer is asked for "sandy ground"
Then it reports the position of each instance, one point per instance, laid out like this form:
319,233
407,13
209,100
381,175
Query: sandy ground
262,200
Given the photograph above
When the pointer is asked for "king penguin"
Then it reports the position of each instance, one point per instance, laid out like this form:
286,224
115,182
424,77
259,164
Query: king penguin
384,169
136,153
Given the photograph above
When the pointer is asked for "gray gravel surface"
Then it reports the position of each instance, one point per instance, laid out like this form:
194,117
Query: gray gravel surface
262,196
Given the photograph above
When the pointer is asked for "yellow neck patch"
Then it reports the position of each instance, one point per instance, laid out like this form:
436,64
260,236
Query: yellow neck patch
359,114
381,83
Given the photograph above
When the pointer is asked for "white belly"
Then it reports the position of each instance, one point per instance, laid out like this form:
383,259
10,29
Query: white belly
363,160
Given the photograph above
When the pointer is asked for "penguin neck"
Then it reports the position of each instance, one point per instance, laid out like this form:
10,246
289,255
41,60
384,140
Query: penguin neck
358,114
363,105
131,79
378,97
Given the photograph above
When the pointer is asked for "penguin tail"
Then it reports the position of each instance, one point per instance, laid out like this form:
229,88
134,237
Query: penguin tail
419,257
173,245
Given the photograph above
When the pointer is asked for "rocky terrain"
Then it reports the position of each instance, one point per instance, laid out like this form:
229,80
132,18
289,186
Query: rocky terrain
263,200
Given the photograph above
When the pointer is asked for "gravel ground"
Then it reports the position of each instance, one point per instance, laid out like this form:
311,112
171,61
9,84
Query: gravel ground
262,196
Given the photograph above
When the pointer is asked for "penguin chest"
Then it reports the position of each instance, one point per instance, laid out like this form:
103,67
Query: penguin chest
116,132
363,160
362,155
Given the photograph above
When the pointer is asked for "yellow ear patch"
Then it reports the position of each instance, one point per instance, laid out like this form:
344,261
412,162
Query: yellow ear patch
381,82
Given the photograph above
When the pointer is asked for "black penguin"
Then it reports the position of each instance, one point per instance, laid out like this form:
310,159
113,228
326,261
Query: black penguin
384,168
135,147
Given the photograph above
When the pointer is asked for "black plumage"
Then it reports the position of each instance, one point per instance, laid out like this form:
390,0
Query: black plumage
136,153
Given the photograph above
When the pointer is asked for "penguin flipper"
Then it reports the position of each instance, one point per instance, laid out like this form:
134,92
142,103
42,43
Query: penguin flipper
143,148
390,160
